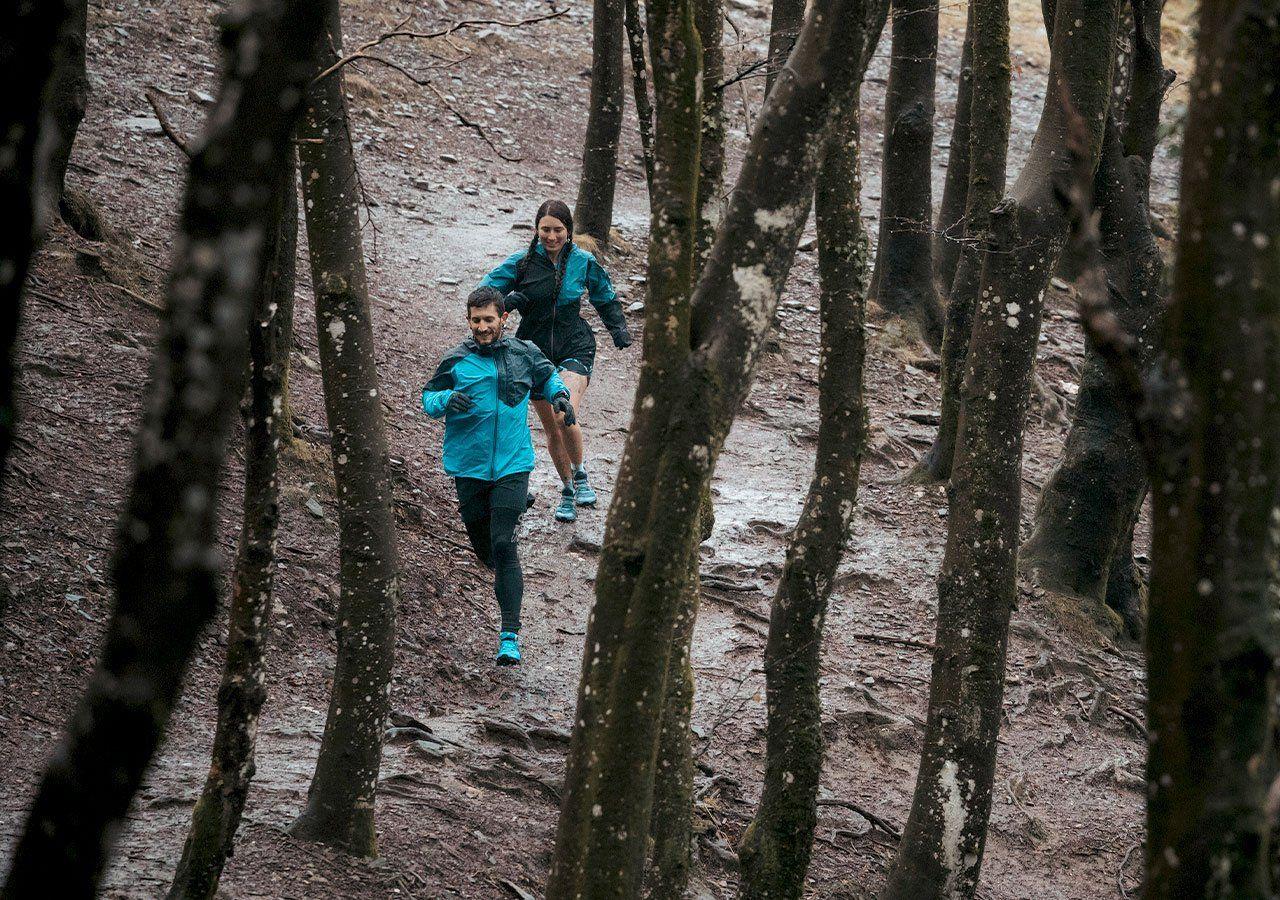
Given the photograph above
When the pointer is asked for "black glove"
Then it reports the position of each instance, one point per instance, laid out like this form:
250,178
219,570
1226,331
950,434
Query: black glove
621,337
516,300
560,403
459,402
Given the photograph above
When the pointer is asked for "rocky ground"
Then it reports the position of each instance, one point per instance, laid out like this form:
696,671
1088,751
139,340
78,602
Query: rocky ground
471,781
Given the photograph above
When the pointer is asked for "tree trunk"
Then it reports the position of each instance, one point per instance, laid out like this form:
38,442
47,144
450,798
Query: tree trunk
940,854
776,847
593,213
903,279
951,228
640,85
681,416
340,802
167,566
785,22
1212,638
28,37
988,151
1089,505
243,690
65,102
709,18
671,824
282,283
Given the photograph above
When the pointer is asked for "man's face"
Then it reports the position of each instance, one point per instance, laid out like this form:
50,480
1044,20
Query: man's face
486,324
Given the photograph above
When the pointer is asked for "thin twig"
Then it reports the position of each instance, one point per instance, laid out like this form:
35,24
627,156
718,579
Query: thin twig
176,139
474,126
889,639
883,824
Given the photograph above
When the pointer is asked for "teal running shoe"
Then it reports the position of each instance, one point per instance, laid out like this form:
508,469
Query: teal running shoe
508,649
565,511
583,495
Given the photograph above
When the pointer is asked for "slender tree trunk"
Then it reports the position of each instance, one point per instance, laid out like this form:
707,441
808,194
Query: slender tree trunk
166,566
1086,513
785,22
243,690
1212,638
709,18
776,847
903,279
65,102
671,825
640,85
594,210
28,38
988,151
940,854
282,283
340,802
952,227
679,424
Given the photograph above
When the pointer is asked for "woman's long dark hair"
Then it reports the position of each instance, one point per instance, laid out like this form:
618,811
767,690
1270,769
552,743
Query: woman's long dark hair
557,209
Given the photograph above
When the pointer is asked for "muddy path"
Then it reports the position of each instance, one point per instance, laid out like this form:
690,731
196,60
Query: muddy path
472,775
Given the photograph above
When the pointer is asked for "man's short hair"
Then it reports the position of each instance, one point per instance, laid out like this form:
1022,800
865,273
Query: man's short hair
486,296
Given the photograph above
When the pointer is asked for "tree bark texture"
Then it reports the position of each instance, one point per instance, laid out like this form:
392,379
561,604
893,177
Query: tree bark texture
950,229
1212,637
593,213
340,802
903,279
28,37
282,283
671,825
940,854
709,18
65,102
640,84
678,428
777,845
786,19
988,151
1088,507
243,692
167,564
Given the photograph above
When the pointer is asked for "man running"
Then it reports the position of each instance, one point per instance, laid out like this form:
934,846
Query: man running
482,389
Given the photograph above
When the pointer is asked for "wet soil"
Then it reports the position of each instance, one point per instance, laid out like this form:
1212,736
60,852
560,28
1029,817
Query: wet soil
471,779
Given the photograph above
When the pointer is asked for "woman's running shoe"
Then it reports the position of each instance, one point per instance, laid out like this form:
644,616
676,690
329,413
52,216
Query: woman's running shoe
565,511
583,495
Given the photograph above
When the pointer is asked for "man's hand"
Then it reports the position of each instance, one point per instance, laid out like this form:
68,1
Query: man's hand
621,337
560,403
459,402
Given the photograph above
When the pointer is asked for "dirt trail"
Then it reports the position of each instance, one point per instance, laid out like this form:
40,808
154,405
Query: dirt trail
472,778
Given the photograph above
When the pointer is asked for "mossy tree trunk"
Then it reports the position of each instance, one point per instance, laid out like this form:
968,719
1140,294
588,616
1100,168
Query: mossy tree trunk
282,284
243,691
340,802
988,150
709,19
1087,509
785,20
903,279
680,420
65,102
940,854
1212,640
166,566
593,213
776,847
28,37
949,232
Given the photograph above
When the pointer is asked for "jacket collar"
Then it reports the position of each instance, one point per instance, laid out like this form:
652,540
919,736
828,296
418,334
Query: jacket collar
486,349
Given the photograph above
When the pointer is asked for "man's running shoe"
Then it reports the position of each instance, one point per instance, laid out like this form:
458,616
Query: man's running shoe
508,649
583,495
565,511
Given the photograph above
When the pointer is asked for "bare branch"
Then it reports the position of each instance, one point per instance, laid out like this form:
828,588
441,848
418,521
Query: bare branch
474,126
178,140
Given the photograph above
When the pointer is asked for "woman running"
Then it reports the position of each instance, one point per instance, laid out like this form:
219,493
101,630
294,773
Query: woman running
545,284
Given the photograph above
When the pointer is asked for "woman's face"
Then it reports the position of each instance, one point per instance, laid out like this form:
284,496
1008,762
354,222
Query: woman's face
552,233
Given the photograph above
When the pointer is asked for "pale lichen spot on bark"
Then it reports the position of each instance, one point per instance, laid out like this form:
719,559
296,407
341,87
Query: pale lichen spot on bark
954,815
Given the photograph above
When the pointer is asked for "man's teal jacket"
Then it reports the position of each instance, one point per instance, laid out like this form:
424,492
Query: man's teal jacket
491,439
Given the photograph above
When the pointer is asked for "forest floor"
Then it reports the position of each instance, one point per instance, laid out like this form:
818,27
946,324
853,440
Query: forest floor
473,814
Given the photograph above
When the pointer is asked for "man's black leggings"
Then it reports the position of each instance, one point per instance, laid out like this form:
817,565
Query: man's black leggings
490,511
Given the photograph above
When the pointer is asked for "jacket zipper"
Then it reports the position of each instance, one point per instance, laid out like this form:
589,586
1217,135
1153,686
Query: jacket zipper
497,403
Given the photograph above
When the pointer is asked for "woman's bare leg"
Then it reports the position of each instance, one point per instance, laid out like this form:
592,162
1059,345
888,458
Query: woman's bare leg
556,446
572,436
